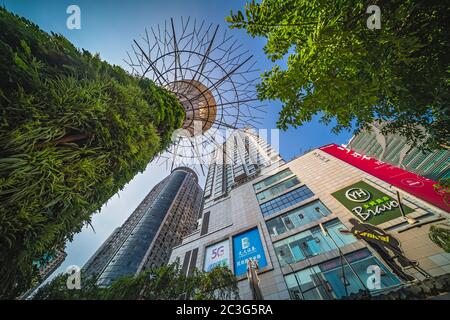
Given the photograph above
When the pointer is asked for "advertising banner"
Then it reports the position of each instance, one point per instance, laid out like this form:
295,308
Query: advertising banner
369,204
247,246
217,255
412,183
386,246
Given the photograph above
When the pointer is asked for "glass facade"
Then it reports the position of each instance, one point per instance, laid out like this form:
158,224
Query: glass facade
286,200
326,280
297,217
277,189
311,242
131,253
433,165
272,179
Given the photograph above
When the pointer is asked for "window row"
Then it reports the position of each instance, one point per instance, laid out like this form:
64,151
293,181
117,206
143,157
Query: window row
297,217
277,189
272,179
312,242
286,200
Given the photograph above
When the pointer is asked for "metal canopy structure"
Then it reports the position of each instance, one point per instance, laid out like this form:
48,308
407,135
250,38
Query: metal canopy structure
212,75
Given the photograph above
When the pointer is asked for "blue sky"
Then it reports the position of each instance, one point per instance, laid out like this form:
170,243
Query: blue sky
108,27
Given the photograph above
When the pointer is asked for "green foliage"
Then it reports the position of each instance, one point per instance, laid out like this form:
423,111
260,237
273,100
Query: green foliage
164,283
73,131
443,186
440,235
341,70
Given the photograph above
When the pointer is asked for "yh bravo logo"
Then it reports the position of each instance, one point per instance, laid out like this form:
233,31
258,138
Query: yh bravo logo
357,195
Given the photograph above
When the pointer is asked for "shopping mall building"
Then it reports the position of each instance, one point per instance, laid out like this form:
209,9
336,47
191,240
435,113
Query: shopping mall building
321,226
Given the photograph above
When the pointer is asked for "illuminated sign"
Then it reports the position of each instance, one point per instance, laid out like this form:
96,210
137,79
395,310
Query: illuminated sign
217,255
369,204
412,183
247,246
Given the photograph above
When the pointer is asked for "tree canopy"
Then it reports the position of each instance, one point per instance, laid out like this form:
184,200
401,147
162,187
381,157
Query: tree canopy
73,131
341,70
164,283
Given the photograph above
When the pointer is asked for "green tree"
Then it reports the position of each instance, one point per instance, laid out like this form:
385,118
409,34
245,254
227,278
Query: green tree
443,186
440,235
73,131
341,70
164,283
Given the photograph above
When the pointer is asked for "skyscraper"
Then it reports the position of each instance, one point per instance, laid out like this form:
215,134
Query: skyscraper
243,156
147,237
394,149
317,226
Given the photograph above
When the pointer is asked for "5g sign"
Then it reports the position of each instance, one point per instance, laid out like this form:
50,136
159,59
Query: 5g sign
217,252
217,255
357,195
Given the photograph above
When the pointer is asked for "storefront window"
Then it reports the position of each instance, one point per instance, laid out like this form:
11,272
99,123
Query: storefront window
360,262
297,218
326,280
308,284
311,242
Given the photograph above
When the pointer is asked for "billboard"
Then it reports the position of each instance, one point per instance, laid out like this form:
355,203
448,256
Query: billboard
369,204
245,246
217,255
412,183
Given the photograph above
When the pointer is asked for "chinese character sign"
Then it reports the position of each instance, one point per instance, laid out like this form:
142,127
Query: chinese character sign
412,183
217,255
247,246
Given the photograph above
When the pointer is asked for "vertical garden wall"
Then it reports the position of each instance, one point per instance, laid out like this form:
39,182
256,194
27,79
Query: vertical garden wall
73,131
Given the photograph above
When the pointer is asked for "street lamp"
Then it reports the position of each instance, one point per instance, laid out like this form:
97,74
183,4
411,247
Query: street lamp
295,274
408,219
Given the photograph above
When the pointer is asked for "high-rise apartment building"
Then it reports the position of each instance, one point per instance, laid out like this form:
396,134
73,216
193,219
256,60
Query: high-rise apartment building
240,158
46,266
98,261
145,240
318,227
394,149
52,262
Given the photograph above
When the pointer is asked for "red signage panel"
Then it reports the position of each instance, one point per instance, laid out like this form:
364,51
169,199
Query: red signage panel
412,183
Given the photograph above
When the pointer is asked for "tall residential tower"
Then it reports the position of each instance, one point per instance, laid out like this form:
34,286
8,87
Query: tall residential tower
145,240
242,157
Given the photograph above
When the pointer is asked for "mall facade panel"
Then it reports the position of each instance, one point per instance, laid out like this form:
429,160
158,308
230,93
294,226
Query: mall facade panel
145,240
319,227
394,149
